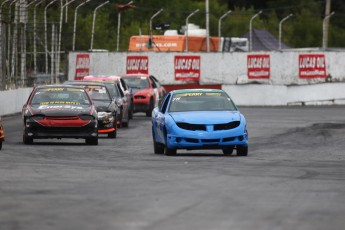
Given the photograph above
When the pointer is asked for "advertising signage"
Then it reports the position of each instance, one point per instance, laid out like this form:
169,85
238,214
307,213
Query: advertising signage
82,68
137,64
312,66
258,66
187,68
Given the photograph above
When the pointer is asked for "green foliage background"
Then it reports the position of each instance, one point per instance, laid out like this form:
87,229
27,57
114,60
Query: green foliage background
304,29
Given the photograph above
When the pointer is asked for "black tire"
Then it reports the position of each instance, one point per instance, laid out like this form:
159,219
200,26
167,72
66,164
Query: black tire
169,152
27,140
0,145
126,123
91,140
120,119
158,148
130,113
242,150
112,134
228,151
149,110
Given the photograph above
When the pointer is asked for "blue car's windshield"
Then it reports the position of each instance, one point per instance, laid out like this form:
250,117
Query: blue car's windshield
201,101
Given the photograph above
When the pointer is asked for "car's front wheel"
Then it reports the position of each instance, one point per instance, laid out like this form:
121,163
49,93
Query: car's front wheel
242,150
91,140
169,151
149,110
27,140
158,148
228,151
112,134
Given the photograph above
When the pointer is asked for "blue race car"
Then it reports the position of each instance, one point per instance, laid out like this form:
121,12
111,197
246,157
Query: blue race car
198,119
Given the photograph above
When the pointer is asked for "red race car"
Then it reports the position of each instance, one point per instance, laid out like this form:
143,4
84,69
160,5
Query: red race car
147,92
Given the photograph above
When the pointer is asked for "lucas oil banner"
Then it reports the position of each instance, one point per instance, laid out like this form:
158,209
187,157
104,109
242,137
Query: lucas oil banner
312,66
258,66
82,68
137,64
187,68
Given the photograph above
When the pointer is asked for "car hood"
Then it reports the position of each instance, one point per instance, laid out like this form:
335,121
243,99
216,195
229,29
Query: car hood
206,117
102,106
60,110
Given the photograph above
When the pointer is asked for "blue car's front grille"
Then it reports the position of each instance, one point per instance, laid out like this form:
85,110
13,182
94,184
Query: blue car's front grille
192,140
209,140
230,125
227,139
192,127
217,127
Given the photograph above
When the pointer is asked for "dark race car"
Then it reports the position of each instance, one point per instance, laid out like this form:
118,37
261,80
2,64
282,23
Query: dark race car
59,111
120,93
106,107
2,134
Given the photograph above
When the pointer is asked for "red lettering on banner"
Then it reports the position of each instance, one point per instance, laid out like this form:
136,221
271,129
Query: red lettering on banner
137,64
258,66
82,68
187,68
312,66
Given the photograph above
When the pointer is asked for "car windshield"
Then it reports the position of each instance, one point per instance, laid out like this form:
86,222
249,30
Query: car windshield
60,95
201,101
137,82
97,92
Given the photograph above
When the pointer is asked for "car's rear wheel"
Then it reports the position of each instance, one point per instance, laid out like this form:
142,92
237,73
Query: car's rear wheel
149,110
27,140
228,151
0,145
91,140
242,150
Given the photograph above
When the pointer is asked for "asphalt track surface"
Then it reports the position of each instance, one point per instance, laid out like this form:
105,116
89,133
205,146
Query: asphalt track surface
293,178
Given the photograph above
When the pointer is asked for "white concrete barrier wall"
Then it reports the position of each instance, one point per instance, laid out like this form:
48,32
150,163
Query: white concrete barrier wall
12,101
216,68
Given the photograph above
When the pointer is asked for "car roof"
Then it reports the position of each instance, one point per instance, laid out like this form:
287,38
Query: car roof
80,82
103,76
58,85
179,91
135,75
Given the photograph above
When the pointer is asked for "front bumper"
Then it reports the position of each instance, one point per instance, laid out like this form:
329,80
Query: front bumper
106,125
38,131
185,139
141,105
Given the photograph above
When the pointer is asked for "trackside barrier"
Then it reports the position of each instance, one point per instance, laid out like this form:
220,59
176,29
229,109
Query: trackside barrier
12,101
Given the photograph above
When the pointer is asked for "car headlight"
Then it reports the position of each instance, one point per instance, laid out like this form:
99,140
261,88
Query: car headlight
104,115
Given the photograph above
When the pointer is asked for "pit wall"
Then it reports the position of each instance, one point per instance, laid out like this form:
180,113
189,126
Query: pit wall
215,68
284,86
